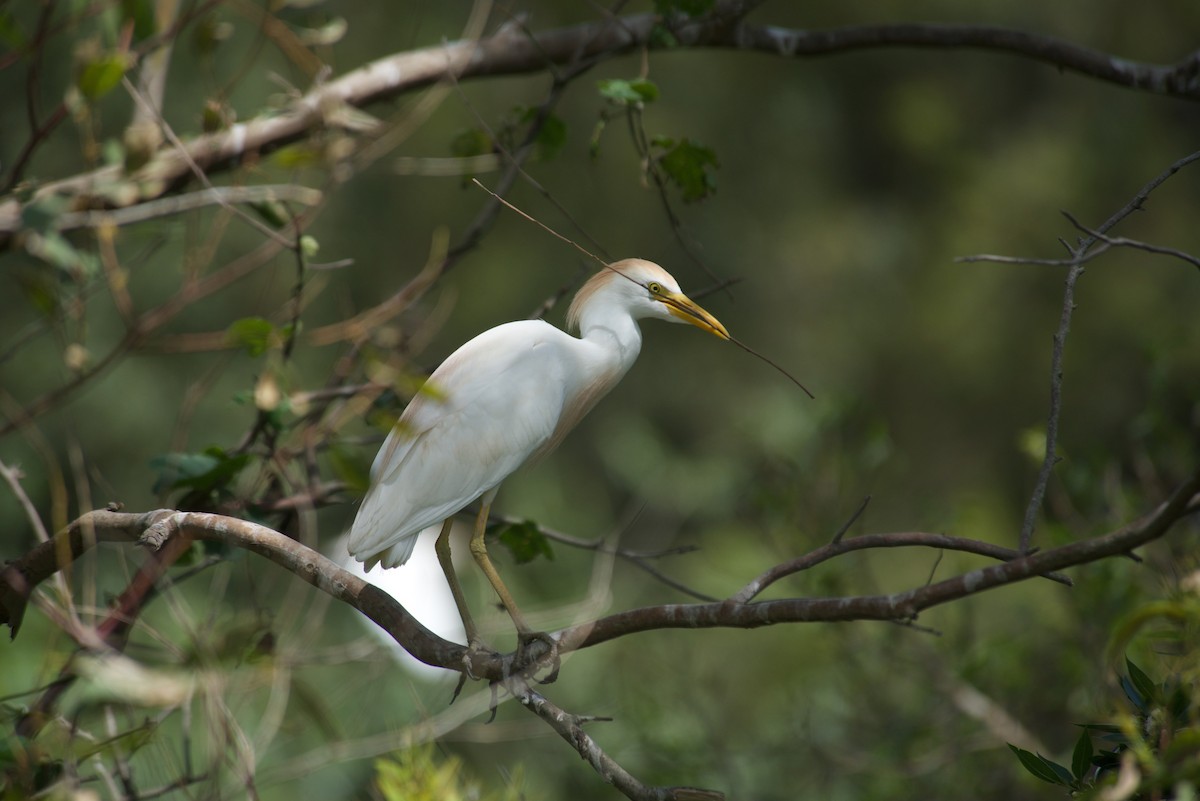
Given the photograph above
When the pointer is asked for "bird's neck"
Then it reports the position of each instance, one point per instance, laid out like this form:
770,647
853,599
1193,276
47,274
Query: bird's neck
617,336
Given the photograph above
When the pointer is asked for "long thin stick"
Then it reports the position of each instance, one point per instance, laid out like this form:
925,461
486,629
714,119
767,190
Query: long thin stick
606,265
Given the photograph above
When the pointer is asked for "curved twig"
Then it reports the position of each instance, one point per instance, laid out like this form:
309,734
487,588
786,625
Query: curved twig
894,540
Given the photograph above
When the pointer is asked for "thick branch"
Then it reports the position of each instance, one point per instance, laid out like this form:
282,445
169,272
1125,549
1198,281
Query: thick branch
18,578
897,606
513,52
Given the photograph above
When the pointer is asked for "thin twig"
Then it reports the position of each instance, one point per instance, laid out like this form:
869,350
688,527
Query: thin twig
1078,252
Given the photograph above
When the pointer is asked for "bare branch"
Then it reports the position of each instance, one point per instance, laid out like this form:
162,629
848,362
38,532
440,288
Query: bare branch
903,605
1078,253
570,728
510,52
895,540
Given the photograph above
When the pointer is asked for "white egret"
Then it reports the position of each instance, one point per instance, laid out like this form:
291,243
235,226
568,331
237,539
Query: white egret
507,396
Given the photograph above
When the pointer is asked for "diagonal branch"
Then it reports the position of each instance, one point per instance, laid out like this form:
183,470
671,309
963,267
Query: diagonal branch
570,728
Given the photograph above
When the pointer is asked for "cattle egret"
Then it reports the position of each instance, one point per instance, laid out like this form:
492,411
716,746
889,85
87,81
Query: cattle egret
507,396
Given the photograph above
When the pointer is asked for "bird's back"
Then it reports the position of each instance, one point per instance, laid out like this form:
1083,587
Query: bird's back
492,404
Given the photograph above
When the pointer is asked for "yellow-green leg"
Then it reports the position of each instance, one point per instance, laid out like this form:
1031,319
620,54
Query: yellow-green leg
442,547
479,551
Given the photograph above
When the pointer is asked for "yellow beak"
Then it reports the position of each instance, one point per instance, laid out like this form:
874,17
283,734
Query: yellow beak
689,311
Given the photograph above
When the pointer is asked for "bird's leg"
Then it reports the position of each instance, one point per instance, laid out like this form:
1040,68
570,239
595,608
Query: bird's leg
525,635
442,547
479,551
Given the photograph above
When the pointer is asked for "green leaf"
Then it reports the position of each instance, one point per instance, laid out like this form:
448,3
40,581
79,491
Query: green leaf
40,214
470,142
617,90
626,93
10,32
646,90
1081,758
297,156
1135,698
552,137
349,467
1041,767
1144,684
101,75
54,249
688,165
203,472
254,334
526,541
141,12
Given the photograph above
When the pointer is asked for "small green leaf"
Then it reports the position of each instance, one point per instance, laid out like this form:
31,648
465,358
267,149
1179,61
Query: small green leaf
309,246
10,32
56,250
1144,684
254,334
298,156
470,142
551,138
661,37
646,90
350,468
619,91
688,166
1041,767
203,472
101,76
40,214
141,13
1081,758
526,541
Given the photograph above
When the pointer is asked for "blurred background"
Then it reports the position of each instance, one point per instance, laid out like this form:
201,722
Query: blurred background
847,187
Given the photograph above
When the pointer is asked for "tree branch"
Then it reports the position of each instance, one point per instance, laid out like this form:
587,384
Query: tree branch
903,605
513,52
570,728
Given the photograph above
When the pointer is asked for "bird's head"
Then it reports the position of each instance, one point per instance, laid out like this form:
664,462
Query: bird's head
642,289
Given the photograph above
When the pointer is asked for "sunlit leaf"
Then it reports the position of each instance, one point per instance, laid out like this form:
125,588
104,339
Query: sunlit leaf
101,75
253,334
631,92
56,250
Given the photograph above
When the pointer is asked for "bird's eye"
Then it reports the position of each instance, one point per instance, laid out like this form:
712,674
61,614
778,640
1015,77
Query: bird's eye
654,287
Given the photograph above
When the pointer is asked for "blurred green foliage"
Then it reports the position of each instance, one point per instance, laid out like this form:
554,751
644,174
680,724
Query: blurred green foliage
849,186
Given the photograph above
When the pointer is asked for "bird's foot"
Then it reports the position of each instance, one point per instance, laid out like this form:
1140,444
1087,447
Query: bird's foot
475,650
537,650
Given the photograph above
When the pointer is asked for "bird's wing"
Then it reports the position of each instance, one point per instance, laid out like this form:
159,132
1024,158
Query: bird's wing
491,404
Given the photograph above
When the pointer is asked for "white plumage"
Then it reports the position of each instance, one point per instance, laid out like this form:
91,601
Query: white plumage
506,396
